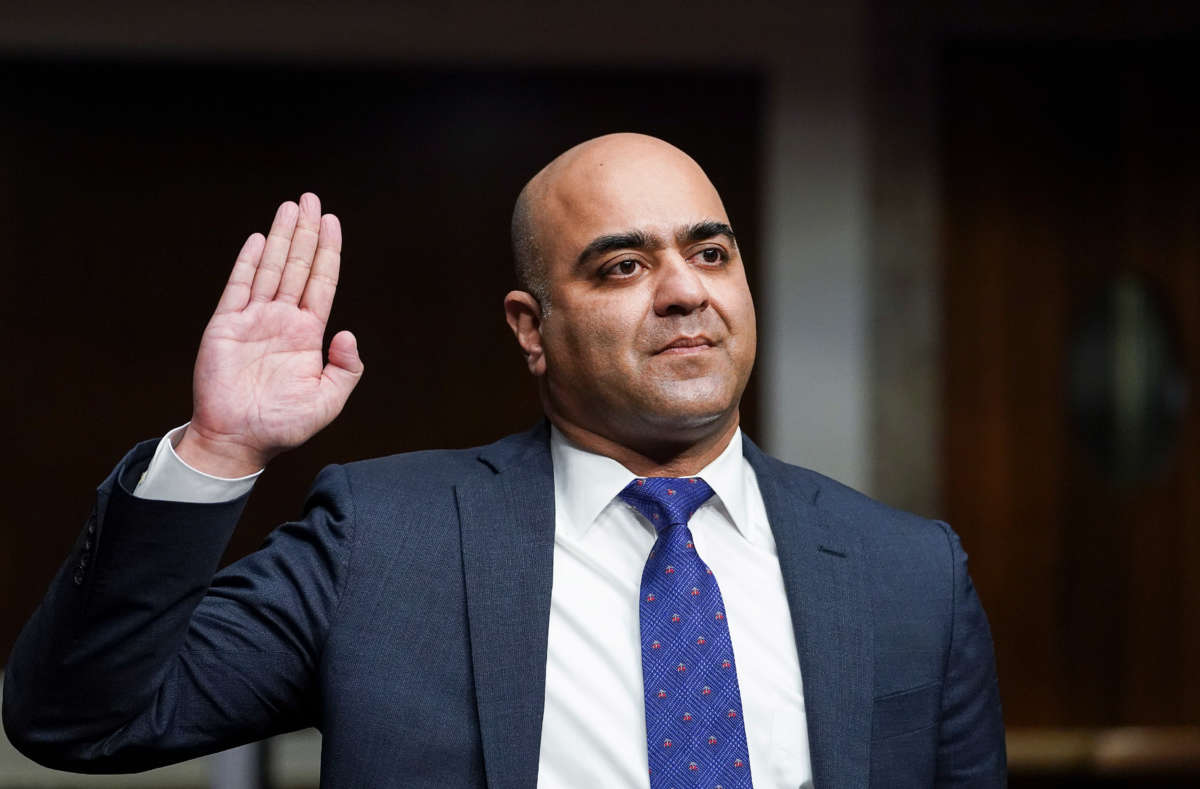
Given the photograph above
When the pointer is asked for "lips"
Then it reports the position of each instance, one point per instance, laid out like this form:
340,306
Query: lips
687,344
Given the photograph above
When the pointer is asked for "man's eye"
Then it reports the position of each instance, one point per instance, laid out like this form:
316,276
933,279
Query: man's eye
712,255
624,268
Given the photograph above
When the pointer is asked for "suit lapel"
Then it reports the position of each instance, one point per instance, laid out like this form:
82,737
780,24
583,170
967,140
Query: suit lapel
823,567
507,523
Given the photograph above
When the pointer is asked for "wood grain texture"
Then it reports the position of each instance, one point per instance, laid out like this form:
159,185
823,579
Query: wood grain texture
1064,167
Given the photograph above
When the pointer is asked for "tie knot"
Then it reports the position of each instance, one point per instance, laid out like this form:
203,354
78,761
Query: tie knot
666,501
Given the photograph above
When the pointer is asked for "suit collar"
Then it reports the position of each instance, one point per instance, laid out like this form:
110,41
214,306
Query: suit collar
824,575
512,450
507,526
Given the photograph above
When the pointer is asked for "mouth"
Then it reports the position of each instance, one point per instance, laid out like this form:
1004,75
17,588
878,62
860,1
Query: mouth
685,345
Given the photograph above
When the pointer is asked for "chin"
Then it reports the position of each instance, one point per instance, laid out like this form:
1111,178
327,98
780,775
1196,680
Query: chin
685,420
689,415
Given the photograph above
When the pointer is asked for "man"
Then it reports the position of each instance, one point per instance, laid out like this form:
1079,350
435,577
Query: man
632,595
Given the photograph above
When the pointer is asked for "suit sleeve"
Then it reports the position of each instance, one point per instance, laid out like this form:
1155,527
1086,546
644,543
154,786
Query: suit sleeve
138,656
971,750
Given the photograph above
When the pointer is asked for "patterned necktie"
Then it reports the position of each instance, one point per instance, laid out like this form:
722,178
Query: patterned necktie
694,730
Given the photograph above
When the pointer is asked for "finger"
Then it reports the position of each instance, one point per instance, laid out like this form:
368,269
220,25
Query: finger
279,240
300,255
237,290
323,279
342,373
343,355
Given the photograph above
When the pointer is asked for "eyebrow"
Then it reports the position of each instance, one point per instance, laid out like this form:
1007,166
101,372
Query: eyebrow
637,239
702,230
630,239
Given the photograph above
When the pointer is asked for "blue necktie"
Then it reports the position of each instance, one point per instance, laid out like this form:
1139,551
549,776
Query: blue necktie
694,731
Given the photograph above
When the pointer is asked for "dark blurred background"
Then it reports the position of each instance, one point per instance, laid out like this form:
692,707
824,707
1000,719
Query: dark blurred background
973,231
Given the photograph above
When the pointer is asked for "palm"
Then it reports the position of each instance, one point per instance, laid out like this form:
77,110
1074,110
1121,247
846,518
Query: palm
257,372
260,383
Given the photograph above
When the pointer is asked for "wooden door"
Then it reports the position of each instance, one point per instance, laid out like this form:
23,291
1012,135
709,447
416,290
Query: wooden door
1066,170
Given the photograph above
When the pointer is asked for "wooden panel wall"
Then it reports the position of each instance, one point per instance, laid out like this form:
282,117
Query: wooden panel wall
127,188
1064,167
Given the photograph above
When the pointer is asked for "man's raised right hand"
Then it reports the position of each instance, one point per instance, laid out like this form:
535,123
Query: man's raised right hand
260,385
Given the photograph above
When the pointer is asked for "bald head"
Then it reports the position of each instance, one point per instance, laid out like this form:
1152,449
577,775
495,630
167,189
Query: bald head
527,259
563,187
652,335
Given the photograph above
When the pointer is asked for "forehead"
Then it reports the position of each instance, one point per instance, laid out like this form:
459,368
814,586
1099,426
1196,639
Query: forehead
651,190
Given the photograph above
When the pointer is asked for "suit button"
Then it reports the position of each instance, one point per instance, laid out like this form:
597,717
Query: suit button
87,545
78,577
91,529
83,560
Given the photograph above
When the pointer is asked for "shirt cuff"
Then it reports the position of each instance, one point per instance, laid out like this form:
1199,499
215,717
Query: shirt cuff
168,478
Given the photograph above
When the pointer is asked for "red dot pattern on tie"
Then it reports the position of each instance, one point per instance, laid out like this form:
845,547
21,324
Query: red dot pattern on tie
694,730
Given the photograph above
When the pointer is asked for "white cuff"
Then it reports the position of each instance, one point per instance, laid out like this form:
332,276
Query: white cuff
168,478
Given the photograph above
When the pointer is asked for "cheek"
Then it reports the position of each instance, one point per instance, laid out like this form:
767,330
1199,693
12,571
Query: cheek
749,332
738,312
595,336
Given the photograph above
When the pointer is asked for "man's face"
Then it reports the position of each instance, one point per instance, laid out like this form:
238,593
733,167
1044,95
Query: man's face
650,334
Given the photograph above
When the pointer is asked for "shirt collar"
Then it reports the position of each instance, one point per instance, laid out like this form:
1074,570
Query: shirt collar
585,483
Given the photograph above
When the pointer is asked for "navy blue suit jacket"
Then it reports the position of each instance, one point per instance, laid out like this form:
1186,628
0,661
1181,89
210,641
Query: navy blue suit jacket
406,617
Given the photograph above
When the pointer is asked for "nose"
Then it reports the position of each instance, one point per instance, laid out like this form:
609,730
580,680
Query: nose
680,290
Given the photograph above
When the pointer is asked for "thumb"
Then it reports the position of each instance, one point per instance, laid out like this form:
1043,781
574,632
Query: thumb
345,368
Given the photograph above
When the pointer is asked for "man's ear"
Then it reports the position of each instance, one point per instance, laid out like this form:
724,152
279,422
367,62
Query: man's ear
524,316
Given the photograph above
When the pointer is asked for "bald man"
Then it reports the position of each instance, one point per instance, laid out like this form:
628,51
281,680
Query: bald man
629,595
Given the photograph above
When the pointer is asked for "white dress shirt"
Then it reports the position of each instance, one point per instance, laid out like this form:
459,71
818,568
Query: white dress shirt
168,478
594,726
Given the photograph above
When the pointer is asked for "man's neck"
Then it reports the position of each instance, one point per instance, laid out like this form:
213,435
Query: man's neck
653,460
